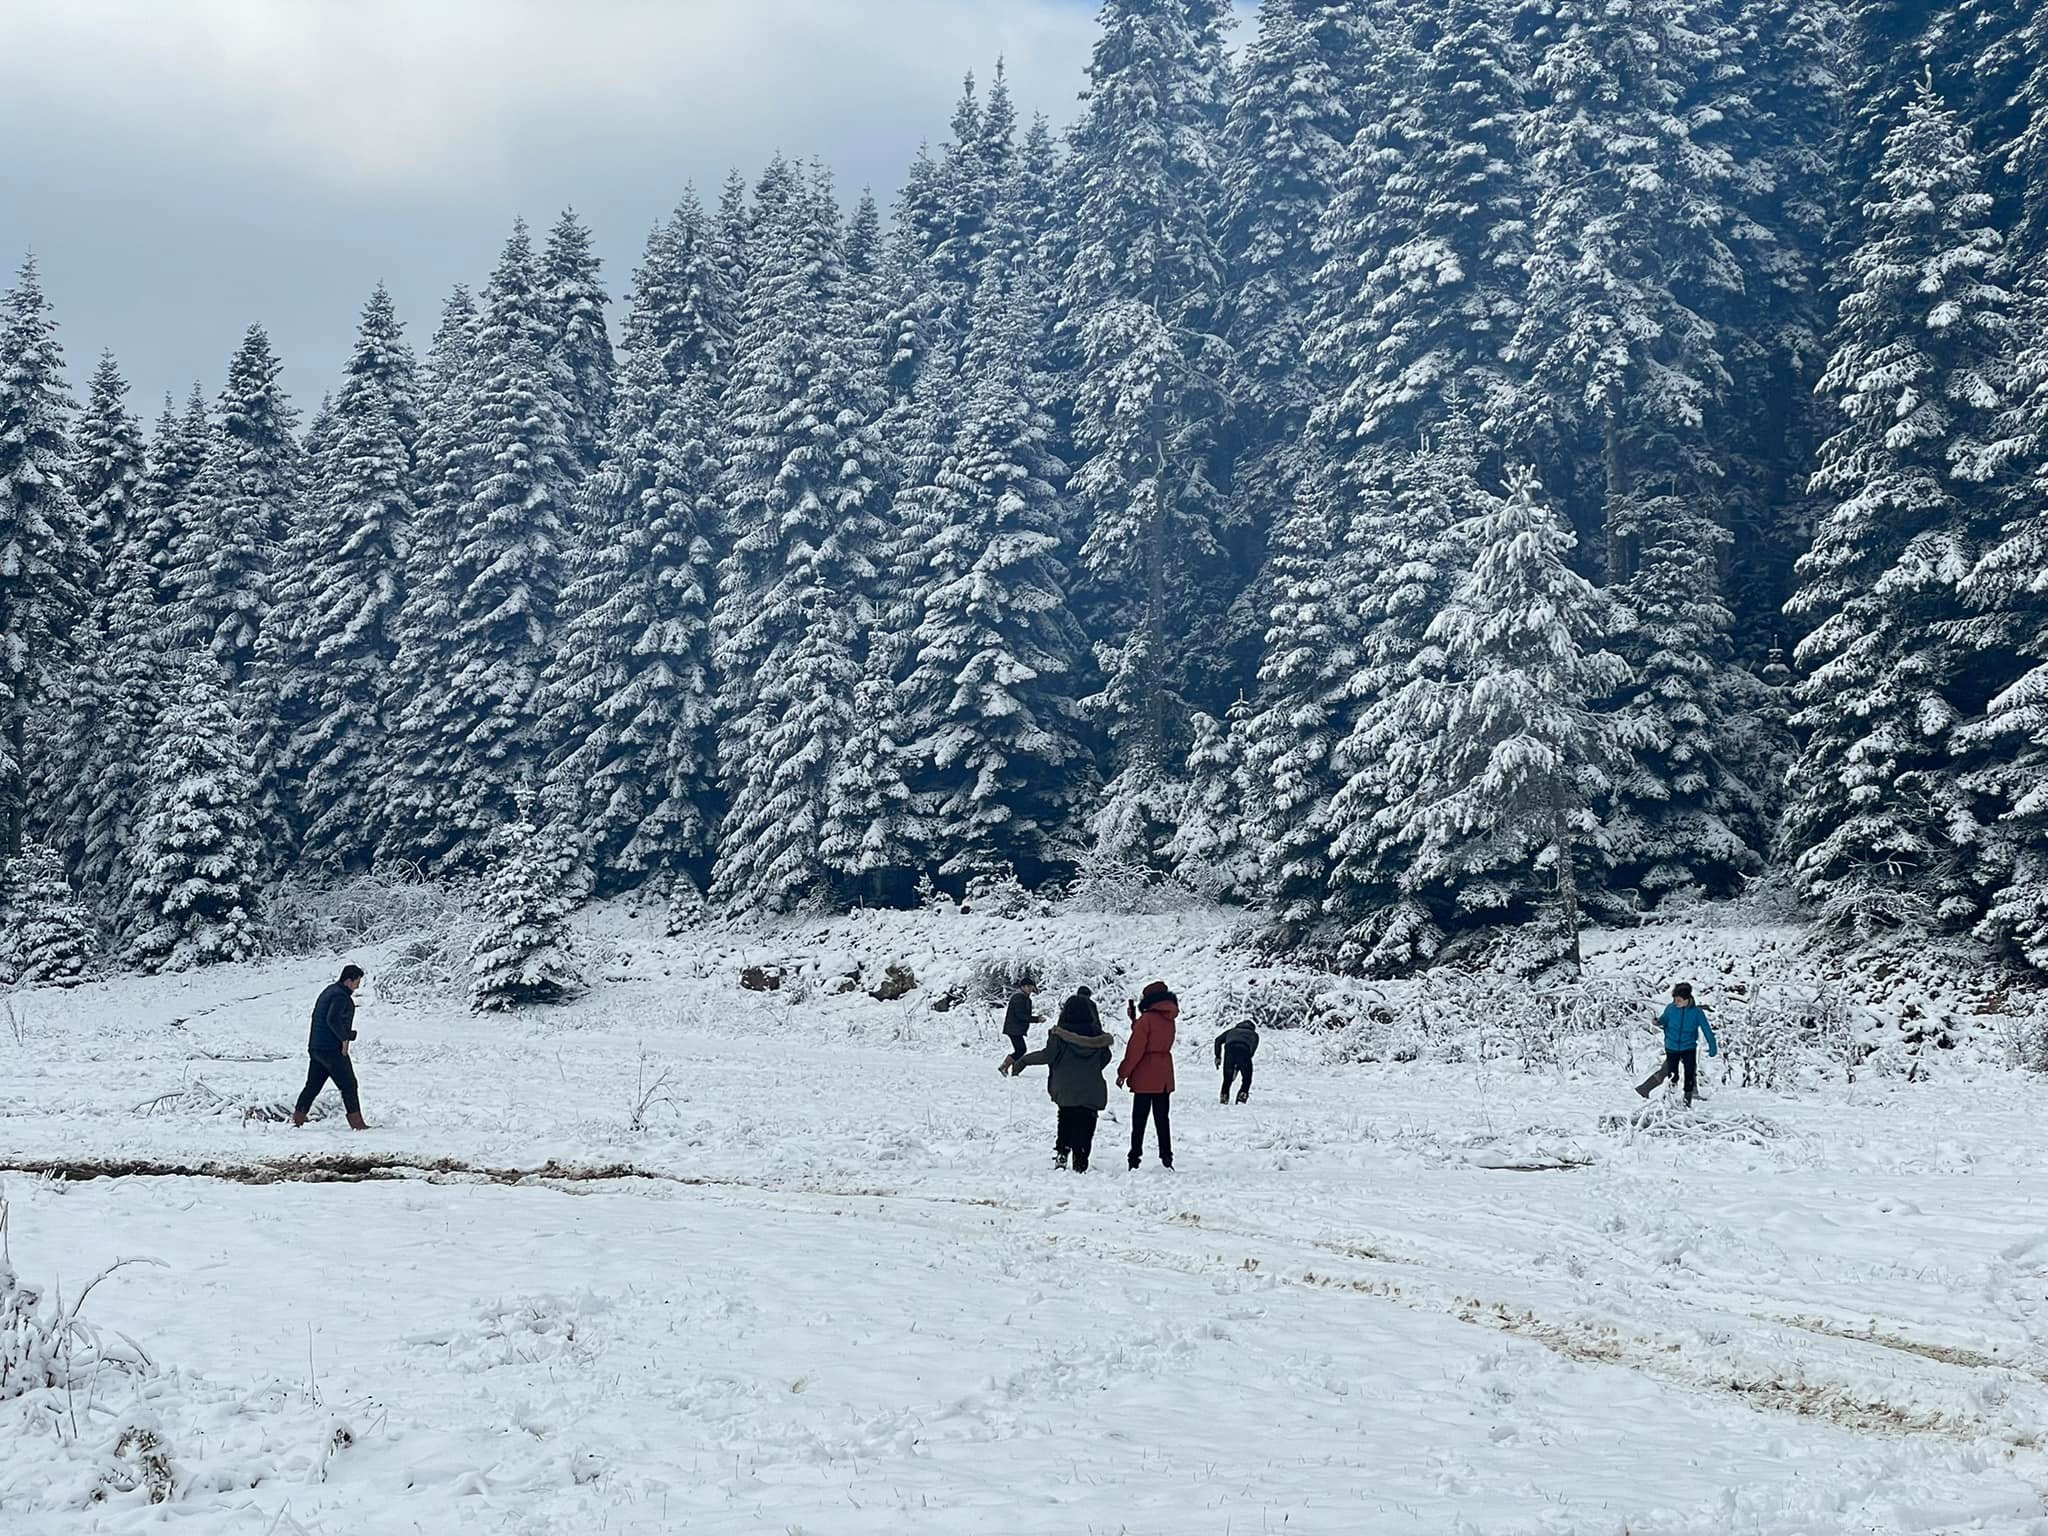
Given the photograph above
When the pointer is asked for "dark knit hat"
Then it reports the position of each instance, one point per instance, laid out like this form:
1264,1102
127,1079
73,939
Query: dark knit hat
1082,992
1156,992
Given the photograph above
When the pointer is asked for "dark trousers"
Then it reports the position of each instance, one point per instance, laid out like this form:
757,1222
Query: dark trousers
1236,1064
1077,1135
1016,1047
1674,1062
1155,1105
319,1071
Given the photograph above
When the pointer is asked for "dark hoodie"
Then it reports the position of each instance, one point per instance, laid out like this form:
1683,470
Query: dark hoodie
1079,1014
1075,1060
1238,1040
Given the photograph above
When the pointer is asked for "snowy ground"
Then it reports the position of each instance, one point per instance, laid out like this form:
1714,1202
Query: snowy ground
835,1286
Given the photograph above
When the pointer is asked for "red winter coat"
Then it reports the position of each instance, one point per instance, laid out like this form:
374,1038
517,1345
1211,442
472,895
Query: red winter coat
1148,1059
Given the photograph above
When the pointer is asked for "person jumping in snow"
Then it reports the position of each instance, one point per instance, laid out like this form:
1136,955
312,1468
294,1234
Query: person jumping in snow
1075,1054
1683,1024
334,1025
1235,1048
1017,1021
1147,1068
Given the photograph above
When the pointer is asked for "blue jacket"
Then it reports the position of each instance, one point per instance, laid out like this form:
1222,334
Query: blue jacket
1683,1027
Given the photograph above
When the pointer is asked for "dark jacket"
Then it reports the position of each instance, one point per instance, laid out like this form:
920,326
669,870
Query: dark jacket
1018,1017
334,1020
1080,1015
1238,1040
1148,1060
1075,1061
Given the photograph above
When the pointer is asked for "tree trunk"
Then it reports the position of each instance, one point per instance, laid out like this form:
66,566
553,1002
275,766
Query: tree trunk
1616,494
1567,880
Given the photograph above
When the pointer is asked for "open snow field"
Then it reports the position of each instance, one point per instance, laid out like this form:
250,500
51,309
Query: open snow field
832,1284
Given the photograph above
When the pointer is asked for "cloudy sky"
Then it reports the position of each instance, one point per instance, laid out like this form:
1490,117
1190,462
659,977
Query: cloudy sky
182,168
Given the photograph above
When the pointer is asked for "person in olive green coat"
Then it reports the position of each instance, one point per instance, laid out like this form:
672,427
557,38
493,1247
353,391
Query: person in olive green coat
1075,1056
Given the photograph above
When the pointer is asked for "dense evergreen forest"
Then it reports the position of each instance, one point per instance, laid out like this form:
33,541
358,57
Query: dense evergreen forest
1420,469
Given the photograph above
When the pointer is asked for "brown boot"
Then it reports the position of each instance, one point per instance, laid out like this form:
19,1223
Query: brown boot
355,1123
298,1117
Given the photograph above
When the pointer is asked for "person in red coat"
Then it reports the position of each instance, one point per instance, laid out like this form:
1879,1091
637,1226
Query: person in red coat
1147,1068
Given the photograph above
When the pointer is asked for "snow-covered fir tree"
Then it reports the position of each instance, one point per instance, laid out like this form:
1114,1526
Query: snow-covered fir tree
194,900
1143,287
118,688
522,953
107,465
50,939
1880,813
628,697
235,512
991,688
1209,849
177,452
806,487
873,836
46,560
477,630
350,566
580,344
1491,756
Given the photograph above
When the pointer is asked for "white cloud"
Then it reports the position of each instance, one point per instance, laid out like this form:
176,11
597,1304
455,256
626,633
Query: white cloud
405,94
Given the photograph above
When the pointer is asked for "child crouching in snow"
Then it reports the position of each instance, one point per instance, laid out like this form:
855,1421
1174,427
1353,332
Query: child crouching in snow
1076,1054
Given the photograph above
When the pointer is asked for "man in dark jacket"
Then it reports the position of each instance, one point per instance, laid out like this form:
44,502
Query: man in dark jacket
334,1025
1076,1055
1017,1021
1235,1048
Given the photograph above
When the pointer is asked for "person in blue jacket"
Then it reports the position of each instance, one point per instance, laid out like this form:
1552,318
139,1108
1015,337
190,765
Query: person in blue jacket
1684,1022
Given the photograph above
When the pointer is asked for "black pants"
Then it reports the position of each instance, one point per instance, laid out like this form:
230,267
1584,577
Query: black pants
1077,1135
1016,1048
1155,1105
1674,1062
344,1074
1236,1065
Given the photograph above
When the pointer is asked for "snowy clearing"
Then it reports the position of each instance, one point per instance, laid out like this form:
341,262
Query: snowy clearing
833,1283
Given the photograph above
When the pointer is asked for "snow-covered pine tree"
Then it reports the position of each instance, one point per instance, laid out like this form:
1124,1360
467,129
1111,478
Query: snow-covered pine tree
1292,114
445,458
46,559
2009,744
177,452
1491,756
1405,550
1303,706
523,953
1425,242
873,837
806,482
351,561
1630,255
1209,848
107,465
628,699
478,629
50,937
235,513
119,689
384,356
990,693
1142,291
1884,826
580,343
194,898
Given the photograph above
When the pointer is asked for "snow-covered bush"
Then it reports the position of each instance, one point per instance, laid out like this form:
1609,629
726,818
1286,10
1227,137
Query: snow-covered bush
308,917
50,936
46,1346
523,951
1106,883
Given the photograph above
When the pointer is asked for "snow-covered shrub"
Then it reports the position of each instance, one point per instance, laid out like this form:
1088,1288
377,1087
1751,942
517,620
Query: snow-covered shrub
999,893
523,951
1106,883
46,1346
308,917
685,907
50,936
